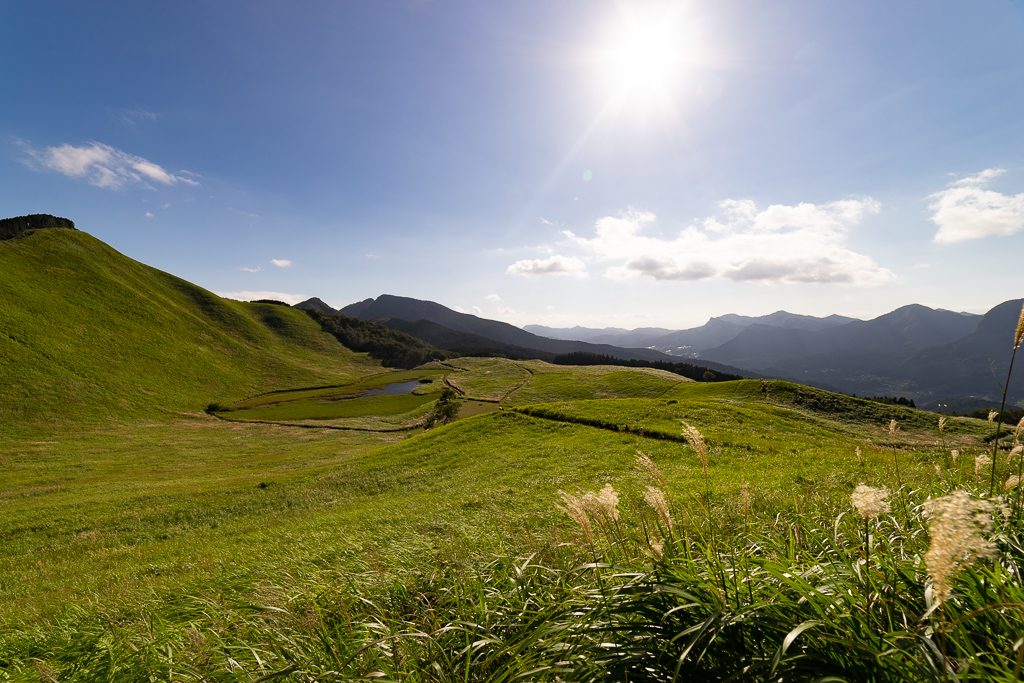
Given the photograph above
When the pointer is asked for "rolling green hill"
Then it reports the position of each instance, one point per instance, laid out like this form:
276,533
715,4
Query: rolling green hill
87,334
316,532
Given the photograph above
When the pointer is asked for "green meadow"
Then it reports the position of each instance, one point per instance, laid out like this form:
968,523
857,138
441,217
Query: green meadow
200,489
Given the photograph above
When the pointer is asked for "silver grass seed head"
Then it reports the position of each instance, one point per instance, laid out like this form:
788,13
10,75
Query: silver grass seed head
655,497
696,440
746,499
576,508
980,462
605,503
644,462
870,502
1018,334
959,526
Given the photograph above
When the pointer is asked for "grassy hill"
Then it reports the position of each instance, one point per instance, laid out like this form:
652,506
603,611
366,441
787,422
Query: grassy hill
88,334
192,548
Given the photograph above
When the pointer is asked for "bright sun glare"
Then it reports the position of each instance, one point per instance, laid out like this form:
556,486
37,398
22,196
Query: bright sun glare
642,58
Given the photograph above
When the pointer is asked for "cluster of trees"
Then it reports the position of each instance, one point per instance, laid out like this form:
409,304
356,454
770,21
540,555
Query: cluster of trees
694,372
891,400
445,409
392,348
9,227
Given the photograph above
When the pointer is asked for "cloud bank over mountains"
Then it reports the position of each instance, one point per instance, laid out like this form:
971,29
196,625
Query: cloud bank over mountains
802,243
968,210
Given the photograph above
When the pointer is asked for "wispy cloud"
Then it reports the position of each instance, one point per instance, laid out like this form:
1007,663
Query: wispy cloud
250,269
281,262
802,243
967,210
247,295
150,215
493,297
135,115
103,166
552,265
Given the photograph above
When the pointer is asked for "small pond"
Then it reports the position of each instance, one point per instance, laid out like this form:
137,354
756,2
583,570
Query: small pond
396,388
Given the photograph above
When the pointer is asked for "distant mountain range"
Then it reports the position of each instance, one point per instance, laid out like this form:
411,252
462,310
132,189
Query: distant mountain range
937,357
468,334
690,343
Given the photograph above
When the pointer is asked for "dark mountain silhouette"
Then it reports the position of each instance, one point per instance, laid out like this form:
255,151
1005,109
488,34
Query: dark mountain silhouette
464,343
616,336
387,307
972,370
885,339
692,342
315,304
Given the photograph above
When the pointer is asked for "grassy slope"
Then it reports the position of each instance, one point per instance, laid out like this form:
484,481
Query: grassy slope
125,540
87,334
130,521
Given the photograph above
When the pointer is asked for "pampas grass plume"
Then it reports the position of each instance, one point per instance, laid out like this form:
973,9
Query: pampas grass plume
696,439
869,502
980,462
959,525
645,463
1018,334
655,497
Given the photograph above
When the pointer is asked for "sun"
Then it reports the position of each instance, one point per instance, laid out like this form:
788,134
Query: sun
642,58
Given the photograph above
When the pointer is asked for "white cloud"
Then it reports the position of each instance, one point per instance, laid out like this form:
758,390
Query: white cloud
253,295
967,210
477,311
506,310
250,269
553,265
150,215
281,262
493,297
802,243
103,166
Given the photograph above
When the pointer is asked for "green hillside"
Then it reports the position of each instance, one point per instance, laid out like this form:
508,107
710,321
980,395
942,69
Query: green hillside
87,334
312,527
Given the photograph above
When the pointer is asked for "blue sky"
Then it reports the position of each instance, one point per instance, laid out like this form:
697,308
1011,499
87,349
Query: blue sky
599,163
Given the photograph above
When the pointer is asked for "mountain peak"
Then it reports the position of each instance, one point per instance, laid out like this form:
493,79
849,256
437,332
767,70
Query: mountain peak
315,304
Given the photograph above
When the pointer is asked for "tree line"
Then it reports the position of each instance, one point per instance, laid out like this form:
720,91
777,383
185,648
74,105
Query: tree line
698,373
10,227
392,348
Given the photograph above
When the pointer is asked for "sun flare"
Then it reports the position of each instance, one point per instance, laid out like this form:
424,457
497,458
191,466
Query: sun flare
643,57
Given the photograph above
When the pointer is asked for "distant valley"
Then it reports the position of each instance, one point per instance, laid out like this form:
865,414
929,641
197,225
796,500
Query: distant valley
941,359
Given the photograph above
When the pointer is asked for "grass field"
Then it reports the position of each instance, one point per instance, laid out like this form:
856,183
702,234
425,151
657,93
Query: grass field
129,540
527,540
